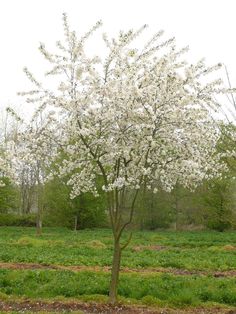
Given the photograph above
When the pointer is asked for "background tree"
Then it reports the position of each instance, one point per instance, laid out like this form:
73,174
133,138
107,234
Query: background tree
32,152
9,196
84,211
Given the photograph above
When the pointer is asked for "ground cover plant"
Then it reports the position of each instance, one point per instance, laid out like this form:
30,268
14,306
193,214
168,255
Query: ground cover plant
211,251
163,289
174,269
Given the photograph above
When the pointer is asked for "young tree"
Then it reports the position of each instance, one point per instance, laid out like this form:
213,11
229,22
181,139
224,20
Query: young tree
31,154
138,116
7,131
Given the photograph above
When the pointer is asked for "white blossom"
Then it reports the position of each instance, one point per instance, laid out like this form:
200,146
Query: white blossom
137,115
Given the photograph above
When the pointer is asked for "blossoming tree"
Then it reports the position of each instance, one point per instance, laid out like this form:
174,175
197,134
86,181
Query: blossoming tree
31,152
5,157
134,117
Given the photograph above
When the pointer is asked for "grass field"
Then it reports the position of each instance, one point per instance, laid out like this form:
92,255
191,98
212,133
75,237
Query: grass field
159,269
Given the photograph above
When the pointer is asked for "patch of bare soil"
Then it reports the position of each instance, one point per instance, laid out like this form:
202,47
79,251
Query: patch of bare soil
100,308
174,271
186,272
23,266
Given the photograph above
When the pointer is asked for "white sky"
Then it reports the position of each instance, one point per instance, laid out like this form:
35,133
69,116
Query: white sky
207,26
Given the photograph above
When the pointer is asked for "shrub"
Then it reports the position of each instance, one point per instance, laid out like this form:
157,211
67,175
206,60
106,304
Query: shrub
17,220
219,224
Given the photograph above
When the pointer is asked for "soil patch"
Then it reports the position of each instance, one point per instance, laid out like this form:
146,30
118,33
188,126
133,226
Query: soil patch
174,271
100,308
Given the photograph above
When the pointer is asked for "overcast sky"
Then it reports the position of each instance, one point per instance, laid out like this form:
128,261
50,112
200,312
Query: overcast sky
207,26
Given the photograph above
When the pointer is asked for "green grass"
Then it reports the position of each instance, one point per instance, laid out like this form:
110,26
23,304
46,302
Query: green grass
152,289
189,250
209,251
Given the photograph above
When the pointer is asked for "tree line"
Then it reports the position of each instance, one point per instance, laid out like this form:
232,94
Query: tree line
212,205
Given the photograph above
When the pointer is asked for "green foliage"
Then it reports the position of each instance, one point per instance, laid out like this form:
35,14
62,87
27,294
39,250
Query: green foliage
153,210
219,195
178,291
60,210
211,251
17,220
219,204
195,251
9,196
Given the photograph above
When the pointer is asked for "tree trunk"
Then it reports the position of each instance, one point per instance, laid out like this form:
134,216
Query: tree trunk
175,226
39,209
118,227
39,222
76,223
115,272
176,210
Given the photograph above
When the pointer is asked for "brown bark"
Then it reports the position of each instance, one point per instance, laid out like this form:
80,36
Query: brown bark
115,273
118,226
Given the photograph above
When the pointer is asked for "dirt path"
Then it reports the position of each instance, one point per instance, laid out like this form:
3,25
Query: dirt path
175,271
99,308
